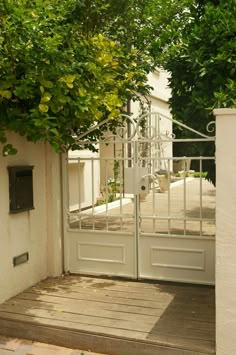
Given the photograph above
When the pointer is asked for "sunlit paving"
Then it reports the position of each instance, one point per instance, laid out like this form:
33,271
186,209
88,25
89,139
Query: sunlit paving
165,213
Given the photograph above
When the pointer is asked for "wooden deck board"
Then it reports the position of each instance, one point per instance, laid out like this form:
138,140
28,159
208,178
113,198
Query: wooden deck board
130,291
73,339
97,282
90,296
197,345
155,298
46,320
85,309
177,319
61,315
187,313
92,304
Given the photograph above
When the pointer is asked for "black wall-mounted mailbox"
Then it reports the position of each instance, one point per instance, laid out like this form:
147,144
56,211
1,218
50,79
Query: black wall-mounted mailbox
20,188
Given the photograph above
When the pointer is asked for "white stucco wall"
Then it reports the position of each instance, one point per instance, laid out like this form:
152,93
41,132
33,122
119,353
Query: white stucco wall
29,231
159,95
84,178
225,231
160,91
54,212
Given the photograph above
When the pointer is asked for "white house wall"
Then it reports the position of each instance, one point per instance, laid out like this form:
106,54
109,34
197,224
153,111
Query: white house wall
29,231
159,82
82,177
159,94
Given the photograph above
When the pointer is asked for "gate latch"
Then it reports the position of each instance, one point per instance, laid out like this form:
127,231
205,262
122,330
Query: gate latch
136,181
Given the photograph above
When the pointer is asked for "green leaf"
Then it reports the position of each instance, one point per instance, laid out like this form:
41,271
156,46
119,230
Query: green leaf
82,92
6,94
5,85
46,84
70,85
46,97
43,108
114,114
54,107
55,146
70,78
54,131
8,149
62,99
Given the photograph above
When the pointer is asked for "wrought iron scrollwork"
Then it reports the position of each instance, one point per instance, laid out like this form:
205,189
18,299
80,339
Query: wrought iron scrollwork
211,127
143,127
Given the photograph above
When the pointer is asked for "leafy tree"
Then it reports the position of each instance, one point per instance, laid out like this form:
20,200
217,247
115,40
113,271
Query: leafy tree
202,63
59,75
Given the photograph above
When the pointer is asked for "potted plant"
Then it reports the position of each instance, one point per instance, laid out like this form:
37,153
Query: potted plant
163,180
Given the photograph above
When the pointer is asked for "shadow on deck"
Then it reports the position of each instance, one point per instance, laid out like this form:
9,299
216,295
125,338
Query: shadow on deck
115,317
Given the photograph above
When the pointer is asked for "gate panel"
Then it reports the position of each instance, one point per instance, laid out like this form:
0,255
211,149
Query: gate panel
177,258
102,253
100,233
132,213
177,225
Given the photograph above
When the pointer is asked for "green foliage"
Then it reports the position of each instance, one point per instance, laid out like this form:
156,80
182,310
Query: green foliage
197,174
63,66
202,62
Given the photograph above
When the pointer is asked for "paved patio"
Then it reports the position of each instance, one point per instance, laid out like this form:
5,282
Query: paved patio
176,211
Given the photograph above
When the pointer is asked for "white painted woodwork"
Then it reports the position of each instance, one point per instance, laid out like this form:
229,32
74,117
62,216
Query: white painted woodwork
178,258
102,253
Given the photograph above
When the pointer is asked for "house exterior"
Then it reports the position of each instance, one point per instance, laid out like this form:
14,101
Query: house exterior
38,232
158,98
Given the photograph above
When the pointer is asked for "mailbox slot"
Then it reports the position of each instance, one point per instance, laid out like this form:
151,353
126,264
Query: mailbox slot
20,188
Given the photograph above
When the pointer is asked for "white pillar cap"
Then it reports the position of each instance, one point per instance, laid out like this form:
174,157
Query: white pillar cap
224,111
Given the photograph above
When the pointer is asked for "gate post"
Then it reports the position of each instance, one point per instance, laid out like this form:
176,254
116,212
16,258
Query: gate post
225,231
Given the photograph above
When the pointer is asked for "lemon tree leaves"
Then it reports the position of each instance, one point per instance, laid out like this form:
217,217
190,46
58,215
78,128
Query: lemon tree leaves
46,83
43,108
55,77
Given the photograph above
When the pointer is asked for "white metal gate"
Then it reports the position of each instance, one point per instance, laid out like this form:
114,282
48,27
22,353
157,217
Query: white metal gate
133,210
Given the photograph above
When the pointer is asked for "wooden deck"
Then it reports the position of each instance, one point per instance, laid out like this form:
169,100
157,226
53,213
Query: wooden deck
114,317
